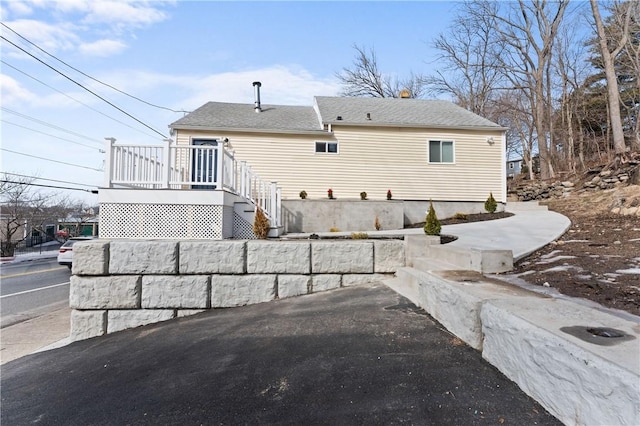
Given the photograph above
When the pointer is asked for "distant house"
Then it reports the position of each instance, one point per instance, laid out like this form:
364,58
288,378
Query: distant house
514,168
418,149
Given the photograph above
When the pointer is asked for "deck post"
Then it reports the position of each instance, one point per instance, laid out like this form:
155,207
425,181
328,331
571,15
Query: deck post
220,167
166,163
108,162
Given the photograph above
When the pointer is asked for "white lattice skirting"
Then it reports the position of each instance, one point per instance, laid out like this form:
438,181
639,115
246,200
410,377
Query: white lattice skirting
162,221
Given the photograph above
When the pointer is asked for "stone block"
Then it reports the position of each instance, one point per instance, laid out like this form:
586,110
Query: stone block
417,246
349,280
232,290
579,378
143,257
171,291
91,258
293,285
341,257
180,313
112,292
278,257
325,282
118,320
212,257
388,255
87,324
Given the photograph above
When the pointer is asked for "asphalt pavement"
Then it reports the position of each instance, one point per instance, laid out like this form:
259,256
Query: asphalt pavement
356,355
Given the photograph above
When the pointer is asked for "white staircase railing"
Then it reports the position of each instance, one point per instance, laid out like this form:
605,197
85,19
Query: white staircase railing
189,167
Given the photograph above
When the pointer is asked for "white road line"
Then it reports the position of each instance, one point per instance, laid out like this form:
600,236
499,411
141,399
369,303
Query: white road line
35,289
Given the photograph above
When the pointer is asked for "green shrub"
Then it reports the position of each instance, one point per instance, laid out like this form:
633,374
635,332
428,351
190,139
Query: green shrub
261,224
363,195
359,235
303,194
432,224
461,216
334,229
490,205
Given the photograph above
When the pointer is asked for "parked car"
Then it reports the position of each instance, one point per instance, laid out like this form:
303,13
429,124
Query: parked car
65,254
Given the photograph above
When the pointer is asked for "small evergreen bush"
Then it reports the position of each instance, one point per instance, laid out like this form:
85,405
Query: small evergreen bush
359,235
432,224
261,224
490,205
303,194
363,195
461,216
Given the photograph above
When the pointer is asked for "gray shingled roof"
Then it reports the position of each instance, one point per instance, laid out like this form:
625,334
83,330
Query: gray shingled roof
353,111
219,115
395,111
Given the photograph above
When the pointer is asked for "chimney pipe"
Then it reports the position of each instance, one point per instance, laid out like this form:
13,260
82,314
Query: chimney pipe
256,85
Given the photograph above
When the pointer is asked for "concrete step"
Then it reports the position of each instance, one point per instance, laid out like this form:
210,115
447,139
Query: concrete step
480,260
551,348
519,206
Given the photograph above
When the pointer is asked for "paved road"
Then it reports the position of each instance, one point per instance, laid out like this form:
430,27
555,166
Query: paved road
356,355
31,289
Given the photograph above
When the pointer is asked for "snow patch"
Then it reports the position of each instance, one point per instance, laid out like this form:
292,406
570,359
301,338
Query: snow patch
629,271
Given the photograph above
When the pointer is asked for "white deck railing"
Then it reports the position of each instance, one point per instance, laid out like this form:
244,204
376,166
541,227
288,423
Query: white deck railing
189,167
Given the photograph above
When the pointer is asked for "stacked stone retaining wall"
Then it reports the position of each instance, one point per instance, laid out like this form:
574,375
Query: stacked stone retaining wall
124,284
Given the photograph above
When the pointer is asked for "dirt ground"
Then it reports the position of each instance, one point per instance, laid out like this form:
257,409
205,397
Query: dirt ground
598,258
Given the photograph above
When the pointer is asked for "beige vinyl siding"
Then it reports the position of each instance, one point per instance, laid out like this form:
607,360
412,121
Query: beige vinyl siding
375,160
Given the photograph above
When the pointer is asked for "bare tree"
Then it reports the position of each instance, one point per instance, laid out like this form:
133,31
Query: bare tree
529,30
469,52
610,49
364,79
24,209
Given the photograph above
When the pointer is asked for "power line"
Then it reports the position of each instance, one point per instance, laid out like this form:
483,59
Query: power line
53,136
47,159
46,186
82,86
88,76
75,100
53,126
51,180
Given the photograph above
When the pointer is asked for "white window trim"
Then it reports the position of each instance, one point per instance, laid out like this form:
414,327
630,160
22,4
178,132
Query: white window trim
453,144
326,152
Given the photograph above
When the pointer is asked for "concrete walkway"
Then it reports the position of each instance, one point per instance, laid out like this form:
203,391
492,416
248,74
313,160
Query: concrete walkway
531,228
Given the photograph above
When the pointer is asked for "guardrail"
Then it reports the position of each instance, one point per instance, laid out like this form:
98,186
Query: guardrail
189,167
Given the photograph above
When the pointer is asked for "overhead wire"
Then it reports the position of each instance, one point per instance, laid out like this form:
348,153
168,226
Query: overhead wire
84,87
48,159
46,186
51,180
53,126
87,75
53,136
76,100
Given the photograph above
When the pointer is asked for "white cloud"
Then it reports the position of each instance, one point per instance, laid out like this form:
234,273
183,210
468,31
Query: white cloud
50,37
12,92
102,48
17,8
124,14
280,85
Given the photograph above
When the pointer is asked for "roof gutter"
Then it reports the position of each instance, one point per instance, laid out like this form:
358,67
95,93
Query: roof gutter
249,130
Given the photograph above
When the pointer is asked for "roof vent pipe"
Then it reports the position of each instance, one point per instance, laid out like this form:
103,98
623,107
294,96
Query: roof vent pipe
256,85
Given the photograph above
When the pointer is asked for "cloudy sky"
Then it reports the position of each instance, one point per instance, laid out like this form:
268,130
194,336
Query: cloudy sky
161,58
